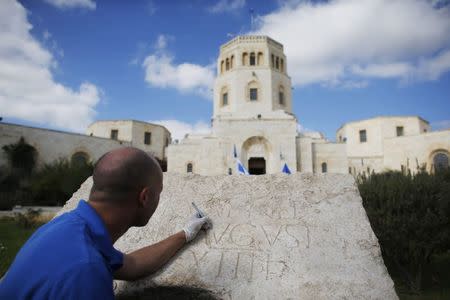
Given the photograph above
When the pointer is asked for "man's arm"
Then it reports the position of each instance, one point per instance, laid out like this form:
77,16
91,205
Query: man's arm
147,260
150,259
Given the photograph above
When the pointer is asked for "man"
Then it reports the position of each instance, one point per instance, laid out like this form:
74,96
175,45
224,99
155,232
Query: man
72,257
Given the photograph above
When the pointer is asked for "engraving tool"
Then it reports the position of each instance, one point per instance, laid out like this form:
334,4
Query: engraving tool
200,213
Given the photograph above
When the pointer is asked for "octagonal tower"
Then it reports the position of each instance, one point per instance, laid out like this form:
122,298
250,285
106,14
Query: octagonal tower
251,79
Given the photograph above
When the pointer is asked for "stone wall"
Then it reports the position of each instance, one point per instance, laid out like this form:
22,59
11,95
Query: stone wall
298,236
411,151
52,144
331,154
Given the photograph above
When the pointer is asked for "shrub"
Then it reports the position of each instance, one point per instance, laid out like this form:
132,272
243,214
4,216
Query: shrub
55,183
410,216
21,157
7,200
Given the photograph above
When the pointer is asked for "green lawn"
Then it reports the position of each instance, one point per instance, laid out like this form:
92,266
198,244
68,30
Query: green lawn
12,237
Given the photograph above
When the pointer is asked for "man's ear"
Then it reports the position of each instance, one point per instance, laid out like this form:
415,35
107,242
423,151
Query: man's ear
144,196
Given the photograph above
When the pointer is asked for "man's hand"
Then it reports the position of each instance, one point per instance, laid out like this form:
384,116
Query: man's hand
147,260
194,225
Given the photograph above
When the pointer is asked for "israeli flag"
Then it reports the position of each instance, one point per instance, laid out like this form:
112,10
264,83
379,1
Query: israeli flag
286,169
240,168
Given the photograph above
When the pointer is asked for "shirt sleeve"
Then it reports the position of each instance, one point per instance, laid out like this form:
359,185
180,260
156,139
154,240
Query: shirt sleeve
85,281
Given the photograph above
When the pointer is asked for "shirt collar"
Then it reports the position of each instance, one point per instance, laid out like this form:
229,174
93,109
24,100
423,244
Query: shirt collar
100,236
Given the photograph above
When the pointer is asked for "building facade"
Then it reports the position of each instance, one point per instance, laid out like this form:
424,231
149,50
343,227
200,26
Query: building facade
253,119
253,114
151,138
394,143
100,137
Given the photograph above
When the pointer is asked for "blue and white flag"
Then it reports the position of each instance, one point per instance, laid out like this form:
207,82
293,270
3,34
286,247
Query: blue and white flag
286,169
240,168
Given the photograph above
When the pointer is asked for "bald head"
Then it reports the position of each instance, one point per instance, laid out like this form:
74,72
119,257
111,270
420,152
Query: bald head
122,173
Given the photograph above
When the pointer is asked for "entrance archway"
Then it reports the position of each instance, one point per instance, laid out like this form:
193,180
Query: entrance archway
257,166
256,155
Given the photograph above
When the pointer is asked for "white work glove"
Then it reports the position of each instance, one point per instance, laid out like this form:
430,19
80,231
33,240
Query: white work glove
194,225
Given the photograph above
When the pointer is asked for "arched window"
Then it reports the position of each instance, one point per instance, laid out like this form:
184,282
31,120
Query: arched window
281,65
221,66
440,161
281,99
272,61
244,58
253,91
227,64
189,168
277,63
324,167
80,159
231,61
260,58
252,59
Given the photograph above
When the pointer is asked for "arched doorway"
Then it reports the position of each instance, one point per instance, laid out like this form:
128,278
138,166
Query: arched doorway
256,155
257,166
79,158
440,161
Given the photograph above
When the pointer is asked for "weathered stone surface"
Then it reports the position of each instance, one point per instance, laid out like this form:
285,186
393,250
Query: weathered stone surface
299,236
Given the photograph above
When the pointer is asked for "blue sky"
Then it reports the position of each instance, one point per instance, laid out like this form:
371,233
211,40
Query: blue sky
66,63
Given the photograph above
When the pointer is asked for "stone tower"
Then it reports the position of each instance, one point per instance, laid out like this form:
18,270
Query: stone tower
251,78
252,114
253,103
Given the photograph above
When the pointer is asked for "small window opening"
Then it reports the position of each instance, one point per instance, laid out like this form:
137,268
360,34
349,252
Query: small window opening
189,168
400,131
253,94
224,99
324,167
147,138
281,96
252,59
362,136
114,134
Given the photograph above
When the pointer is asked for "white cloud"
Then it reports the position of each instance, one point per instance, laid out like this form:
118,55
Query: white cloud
346,39
179,129
67,4
161,71
27,88
226,6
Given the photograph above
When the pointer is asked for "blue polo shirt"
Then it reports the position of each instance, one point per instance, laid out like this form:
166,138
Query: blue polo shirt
71,257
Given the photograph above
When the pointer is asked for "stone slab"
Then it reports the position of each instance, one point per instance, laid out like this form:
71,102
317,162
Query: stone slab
299,236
